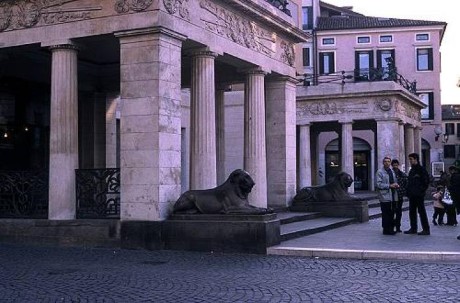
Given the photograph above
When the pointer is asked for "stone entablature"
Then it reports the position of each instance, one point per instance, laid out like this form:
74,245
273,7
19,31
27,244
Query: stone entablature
359,101
257,31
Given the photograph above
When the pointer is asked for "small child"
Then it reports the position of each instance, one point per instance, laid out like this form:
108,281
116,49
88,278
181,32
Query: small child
438,206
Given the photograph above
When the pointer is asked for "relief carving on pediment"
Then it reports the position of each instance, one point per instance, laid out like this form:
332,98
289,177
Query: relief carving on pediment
237,29
408,111
174,6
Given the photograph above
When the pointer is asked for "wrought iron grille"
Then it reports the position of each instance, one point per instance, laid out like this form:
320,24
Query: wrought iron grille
98,193
23,194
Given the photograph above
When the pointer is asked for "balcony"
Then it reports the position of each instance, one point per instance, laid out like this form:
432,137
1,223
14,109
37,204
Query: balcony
363,75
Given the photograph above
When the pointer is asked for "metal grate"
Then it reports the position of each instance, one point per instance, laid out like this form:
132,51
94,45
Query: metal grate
98,193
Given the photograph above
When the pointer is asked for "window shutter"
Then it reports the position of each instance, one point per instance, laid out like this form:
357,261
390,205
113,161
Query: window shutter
321,63
430,59
331,63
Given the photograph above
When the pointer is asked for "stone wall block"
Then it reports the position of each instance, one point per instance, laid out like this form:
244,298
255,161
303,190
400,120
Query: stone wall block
139,193
145,106
139,158
138,124
139,71
139,89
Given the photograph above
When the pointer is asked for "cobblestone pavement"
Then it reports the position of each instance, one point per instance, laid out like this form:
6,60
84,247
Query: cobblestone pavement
47,274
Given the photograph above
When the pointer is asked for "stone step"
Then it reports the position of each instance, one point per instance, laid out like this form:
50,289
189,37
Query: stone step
290,217
311,226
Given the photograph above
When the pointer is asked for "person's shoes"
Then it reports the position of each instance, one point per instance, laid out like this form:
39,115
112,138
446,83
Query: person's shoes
424,233
458,237
398,230
440,223
391,233
410,232
434,222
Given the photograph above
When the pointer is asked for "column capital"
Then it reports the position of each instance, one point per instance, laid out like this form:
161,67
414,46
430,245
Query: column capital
284,78
150,31
60,44
203,52
346,121
253,71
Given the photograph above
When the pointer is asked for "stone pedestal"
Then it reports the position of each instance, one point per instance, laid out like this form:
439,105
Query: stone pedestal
357,209
222,233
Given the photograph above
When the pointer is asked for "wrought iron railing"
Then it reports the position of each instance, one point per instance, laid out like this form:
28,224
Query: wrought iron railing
23,194
281,5
98,193
361,75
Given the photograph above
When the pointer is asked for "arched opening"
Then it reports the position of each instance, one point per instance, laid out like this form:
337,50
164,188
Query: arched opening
361,160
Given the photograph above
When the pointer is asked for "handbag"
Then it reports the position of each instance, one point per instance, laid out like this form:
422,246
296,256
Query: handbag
446,198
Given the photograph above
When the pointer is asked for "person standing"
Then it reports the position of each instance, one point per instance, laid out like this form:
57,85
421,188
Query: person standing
417,184
401,179
387,185
454,188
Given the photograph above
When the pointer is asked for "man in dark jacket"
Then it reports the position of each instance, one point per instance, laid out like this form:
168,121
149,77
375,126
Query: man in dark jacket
401,179
417,184
454,188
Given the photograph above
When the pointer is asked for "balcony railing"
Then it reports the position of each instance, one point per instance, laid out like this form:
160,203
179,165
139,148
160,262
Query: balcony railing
98,193
363,75
23,194
281,5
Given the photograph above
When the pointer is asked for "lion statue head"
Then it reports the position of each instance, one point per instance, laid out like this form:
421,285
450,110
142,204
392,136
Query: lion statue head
344,180
242,181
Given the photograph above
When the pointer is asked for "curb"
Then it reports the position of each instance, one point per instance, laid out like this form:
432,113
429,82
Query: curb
365,254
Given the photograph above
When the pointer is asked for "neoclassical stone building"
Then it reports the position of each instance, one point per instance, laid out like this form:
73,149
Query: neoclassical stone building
74,74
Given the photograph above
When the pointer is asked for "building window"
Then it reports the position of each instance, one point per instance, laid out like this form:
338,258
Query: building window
307,17
306,56
363,64
422,37
427,113
449,151
424,59
384,57
450,128
326,63
386,38
366,39
328,41
458,130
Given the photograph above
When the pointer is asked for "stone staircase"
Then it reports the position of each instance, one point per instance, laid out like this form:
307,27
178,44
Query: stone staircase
299,224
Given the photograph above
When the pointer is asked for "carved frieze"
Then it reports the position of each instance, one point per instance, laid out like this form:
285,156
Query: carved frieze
18,14
238,29
288,53
124,6
408,110
177,6
28,13
323,108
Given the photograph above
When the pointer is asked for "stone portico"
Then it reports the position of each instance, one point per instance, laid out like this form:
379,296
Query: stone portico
142,57
383,114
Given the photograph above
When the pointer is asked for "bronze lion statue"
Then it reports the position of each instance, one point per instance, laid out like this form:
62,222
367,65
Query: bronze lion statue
229,198
337,190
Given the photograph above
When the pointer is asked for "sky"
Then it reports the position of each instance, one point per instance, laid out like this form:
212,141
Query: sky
443,10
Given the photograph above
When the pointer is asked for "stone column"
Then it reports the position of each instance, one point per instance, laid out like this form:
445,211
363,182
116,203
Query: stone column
150,135
418,141
304,156
347,150
255,160
402,148
281,141
220,133
63,132
387,139
408,143
203,172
